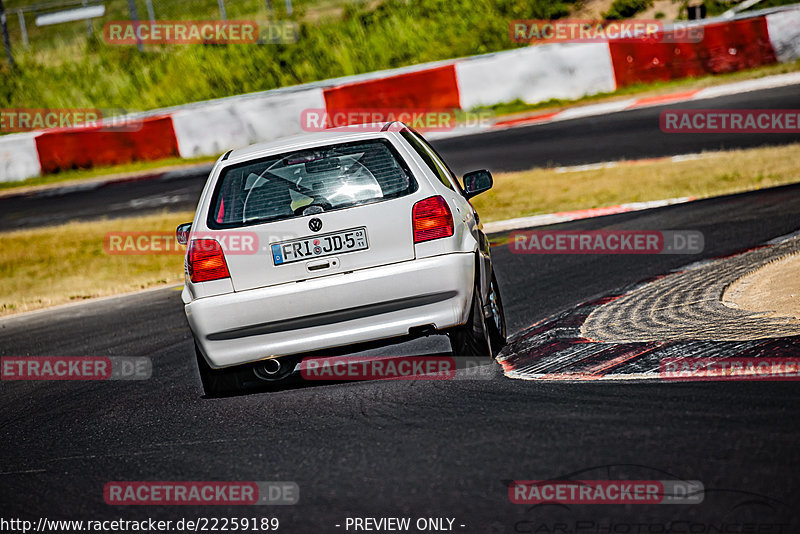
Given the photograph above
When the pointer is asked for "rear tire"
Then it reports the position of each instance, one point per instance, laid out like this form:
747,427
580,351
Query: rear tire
472,339
496,323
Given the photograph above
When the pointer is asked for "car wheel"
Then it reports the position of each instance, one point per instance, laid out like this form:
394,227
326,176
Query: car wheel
496,323
216,382
472,339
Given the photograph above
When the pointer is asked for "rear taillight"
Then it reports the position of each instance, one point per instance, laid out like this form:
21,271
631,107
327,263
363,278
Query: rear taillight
432,219
205,261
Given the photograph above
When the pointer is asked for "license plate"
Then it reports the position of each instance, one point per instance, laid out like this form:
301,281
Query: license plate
319,246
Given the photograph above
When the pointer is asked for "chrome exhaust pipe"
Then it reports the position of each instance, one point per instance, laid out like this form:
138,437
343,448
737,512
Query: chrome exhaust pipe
272,366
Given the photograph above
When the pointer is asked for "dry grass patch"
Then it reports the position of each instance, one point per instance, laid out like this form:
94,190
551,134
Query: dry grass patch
55,265
536,191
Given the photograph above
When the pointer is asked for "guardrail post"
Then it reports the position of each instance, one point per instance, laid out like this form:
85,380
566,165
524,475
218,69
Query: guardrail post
88,22
150,13
135,19
23,28
6,39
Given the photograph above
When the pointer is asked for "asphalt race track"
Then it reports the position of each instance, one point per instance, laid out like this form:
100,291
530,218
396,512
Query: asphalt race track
415,448
626,135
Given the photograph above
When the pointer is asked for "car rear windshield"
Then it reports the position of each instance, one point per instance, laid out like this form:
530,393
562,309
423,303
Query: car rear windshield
309,181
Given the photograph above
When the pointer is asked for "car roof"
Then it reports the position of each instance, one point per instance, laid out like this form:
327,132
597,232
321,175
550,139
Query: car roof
302,141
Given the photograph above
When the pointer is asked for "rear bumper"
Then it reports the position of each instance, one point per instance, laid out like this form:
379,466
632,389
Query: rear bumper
333,311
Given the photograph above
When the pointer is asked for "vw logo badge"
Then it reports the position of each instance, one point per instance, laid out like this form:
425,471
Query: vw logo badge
315,225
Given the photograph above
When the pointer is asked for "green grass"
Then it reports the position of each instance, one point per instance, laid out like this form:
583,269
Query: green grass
362,38
623,9
49,37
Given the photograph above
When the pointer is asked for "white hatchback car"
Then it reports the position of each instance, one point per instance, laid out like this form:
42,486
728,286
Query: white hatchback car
357,235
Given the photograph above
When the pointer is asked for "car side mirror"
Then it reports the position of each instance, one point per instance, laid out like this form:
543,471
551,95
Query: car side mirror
476,182
182,232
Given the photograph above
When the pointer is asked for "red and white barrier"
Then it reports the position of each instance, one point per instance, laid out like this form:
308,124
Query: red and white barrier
535,74
72,148
214,128
432,88
19,158
726,47
532,74
276,116
210,129
784,34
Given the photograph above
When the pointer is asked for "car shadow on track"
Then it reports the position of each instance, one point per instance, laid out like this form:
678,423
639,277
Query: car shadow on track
314,371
